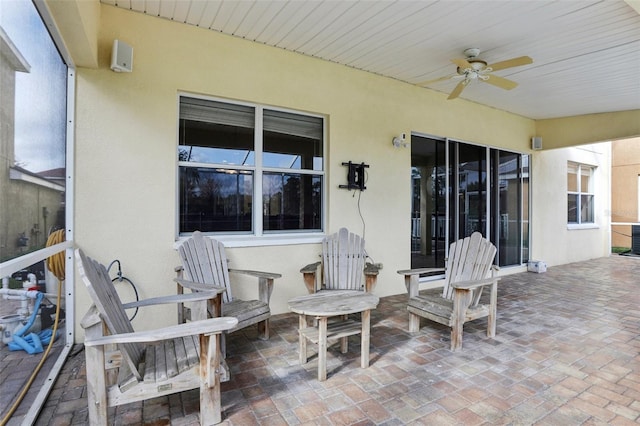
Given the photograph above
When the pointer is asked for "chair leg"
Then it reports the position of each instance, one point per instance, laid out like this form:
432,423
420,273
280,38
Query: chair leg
344,342
210,405
302,341
461,300
96,386
263,330
322,349
365,336
456,335
414,322
493,311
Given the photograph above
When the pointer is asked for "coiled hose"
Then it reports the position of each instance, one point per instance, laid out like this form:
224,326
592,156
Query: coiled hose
56,265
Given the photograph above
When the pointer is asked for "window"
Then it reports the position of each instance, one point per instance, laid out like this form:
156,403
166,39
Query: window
580,193
232,155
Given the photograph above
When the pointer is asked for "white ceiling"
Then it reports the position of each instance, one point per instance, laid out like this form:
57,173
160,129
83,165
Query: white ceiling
586,53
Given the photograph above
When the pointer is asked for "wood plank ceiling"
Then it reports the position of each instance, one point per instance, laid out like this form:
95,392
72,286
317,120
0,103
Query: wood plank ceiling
586,53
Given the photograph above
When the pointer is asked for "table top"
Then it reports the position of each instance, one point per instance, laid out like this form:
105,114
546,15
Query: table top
333,302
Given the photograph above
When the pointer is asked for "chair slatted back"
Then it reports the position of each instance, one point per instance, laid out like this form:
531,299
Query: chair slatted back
343,259
106,299
204,261
470,258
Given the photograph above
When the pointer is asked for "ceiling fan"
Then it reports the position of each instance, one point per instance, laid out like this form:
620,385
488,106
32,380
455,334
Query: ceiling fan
472,68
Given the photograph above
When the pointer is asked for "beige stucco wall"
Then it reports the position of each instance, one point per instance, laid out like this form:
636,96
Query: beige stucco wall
625,172
78,22
126,138
553,241
587,129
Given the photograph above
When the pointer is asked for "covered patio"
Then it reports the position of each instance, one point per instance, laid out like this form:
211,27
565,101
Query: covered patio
566,353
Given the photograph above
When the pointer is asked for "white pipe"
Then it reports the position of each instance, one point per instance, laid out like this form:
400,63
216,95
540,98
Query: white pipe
23,296
31,294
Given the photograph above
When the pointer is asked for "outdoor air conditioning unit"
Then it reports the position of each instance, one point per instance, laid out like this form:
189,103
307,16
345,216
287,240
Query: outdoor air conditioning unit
635,239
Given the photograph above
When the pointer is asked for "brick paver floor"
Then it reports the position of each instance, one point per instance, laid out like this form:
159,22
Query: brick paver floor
566,353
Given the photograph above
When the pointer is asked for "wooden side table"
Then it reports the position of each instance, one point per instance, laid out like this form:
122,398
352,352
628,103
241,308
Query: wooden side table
332,303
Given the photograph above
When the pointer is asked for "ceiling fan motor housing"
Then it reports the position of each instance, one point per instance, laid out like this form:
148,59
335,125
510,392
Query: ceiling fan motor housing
472,52
477,65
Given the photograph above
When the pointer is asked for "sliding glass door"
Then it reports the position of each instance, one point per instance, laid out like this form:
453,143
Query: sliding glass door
460,188
469,165
510,193
429,203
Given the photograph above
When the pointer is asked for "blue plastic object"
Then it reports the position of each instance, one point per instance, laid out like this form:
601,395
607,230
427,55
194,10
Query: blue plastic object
32,343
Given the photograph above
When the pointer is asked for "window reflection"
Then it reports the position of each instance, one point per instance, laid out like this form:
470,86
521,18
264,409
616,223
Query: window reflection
215,200
291,201
33,138
292,141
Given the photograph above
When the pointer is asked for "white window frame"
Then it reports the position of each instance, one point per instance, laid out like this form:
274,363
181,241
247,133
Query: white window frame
258,237
580,192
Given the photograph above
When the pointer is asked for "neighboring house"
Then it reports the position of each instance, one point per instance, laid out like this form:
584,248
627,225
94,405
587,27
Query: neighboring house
30,202
253,144
625,190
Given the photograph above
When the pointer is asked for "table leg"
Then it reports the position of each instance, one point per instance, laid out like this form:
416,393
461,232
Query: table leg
302,341
364,339
322,348
344,342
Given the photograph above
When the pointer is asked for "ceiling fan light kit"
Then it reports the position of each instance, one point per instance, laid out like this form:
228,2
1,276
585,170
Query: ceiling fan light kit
472,68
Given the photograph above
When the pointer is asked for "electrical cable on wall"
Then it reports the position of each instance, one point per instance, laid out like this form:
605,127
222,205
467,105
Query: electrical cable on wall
357,178
120,278
364,225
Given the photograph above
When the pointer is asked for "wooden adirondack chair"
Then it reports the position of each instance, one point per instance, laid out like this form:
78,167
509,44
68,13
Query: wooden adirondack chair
343,267
204,267
343,264
146,364
469,269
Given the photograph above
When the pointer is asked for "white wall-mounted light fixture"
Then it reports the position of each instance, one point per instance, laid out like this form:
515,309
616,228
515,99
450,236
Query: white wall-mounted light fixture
121,57
400,141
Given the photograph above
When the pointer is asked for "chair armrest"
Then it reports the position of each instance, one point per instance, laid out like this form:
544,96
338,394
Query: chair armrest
473,284
310,268
91,318
371,269
419,271
210,293
309,276
194,286
209,326
411,278
259,274
371,272
265,282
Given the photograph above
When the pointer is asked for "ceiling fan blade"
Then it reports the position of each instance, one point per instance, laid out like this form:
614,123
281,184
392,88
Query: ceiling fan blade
514,62
428,82
500,82
458,89
462,63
